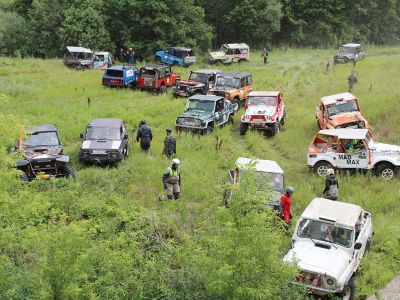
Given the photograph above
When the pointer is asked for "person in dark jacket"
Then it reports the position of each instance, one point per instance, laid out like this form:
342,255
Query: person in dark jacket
286,203
264,55
352,80
169,144
331,190
144,135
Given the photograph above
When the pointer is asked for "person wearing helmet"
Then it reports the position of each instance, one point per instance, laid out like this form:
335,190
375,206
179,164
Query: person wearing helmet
285,203
145,136
169,144
331,190
172,181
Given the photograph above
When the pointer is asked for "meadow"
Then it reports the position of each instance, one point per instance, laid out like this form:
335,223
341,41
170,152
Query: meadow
105,235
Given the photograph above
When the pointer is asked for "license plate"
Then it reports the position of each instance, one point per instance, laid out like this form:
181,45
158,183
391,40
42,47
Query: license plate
183,93
99,152
257,122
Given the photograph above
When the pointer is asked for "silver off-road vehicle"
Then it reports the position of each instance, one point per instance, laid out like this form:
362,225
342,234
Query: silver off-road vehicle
349,53
328,243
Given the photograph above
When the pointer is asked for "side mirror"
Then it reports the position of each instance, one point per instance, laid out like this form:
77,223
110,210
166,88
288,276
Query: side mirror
125,136
81,135
357,246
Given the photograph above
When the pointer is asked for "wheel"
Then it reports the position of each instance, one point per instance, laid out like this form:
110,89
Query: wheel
236,104
163,90
68,172
230,119
275,129
126,151
319,125
209,129
321,167
348,291
368,245
25,177
385,170
283,120
243,128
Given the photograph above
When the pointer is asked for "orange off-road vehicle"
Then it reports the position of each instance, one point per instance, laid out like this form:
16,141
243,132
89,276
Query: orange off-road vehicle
340,111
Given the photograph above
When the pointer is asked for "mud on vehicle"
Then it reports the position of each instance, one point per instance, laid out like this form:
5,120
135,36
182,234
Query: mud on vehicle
328,243
105,142
199,82
353,150
340,111
120,76
349,53
156,78
203,113
263,111
43,154
234,86
230,53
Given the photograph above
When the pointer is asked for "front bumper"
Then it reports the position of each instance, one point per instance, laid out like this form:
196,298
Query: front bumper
317,290
260,125
181,128
182,92
100,158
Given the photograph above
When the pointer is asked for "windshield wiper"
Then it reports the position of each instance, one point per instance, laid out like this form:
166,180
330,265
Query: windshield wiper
330,243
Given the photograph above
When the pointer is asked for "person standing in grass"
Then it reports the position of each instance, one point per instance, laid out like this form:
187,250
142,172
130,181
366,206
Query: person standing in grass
352,80
331,190
285,204
264,55
172,181
169,144
145,136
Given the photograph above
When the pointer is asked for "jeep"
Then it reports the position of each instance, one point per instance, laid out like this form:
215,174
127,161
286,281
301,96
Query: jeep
267,172
120,76
99,61
43,154
328,243
230,53
349,53
73,55
199,82
265,111
203,113
234,86
352,149
156,78
176,56
105,141
340,111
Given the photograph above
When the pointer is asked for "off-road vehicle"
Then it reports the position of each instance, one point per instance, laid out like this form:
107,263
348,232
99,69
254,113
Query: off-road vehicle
266,172
328,243
352,149
156,78
264,111
120,76
234,86
199,82
349,53
105,141
203,113
99,61
340,111
176,56
73,56
43,156
230,53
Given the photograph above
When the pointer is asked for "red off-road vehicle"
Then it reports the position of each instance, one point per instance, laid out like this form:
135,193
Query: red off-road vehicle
156,78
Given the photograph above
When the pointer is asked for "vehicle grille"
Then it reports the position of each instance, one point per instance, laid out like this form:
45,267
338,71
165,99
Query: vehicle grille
309,278
43,165
183,88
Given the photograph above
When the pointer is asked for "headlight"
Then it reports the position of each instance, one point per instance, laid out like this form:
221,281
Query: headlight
85,153
330,281
114,153
361,124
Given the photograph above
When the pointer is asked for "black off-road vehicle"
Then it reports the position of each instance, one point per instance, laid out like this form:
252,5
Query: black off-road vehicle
43,154
199,82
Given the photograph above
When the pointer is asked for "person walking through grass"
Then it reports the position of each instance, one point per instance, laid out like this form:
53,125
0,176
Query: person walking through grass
169,144
145,136
172,181
331,190
264,55
352,80
286,203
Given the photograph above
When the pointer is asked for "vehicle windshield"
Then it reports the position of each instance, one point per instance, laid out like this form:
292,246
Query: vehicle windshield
223,49
344,49
201,105
201,77
228,81
103,133
342,107
274,180
270,101
145,72
183,54
327,232
41,139
115,73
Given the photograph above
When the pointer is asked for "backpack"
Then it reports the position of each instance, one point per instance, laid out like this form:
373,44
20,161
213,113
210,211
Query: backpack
333,188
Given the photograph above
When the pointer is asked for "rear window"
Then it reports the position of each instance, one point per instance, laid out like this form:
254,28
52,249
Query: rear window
115,73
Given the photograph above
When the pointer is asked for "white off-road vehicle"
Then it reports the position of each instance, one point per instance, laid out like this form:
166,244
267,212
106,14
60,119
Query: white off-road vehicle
328,244
352,149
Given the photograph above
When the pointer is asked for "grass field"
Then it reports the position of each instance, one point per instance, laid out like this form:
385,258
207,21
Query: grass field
35,244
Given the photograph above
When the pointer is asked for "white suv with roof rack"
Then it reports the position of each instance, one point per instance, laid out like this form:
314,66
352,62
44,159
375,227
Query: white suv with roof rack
328,244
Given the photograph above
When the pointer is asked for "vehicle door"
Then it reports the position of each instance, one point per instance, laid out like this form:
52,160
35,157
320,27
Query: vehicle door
98,61
165,56
280,106
167,75
211,81
362,232
229,55
352,154
220,112
245,86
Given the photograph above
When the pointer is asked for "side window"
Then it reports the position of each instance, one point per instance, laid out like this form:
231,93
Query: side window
237,51
167,72
219,105
242,82
229,52
161,73
249,80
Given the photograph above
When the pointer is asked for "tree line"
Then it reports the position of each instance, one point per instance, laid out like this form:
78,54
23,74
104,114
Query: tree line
42,28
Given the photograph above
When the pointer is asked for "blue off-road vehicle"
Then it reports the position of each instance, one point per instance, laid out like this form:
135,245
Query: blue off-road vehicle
120,76
176,56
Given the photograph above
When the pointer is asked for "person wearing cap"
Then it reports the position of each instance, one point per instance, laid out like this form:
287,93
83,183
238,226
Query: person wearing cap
331,190
145,136
169,144
285,203
172,181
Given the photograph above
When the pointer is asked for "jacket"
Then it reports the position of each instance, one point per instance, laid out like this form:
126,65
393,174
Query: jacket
286,202
144,133
169,145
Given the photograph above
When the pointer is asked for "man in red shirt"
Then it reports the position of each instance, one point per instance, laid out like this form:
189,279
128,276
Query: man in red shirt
286,202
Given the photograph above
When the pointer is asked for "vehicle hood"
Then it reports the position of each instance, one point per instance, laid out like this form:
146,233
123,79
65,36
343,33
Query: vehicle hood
191,83
42,152
101,144
217,55
196,114
343,55
223,88
346,118
311,258
266,110
388,149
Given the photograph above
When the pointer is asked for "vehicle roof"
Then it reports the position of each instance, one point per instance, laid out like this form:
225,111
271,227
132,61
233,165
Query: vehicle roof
351,45
208,71
205,97
181,48
154,67
264,93
260,165
237,45
43,128
78,49
341,212
236,74
121,67
346,133
327,100
102,53
106,122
